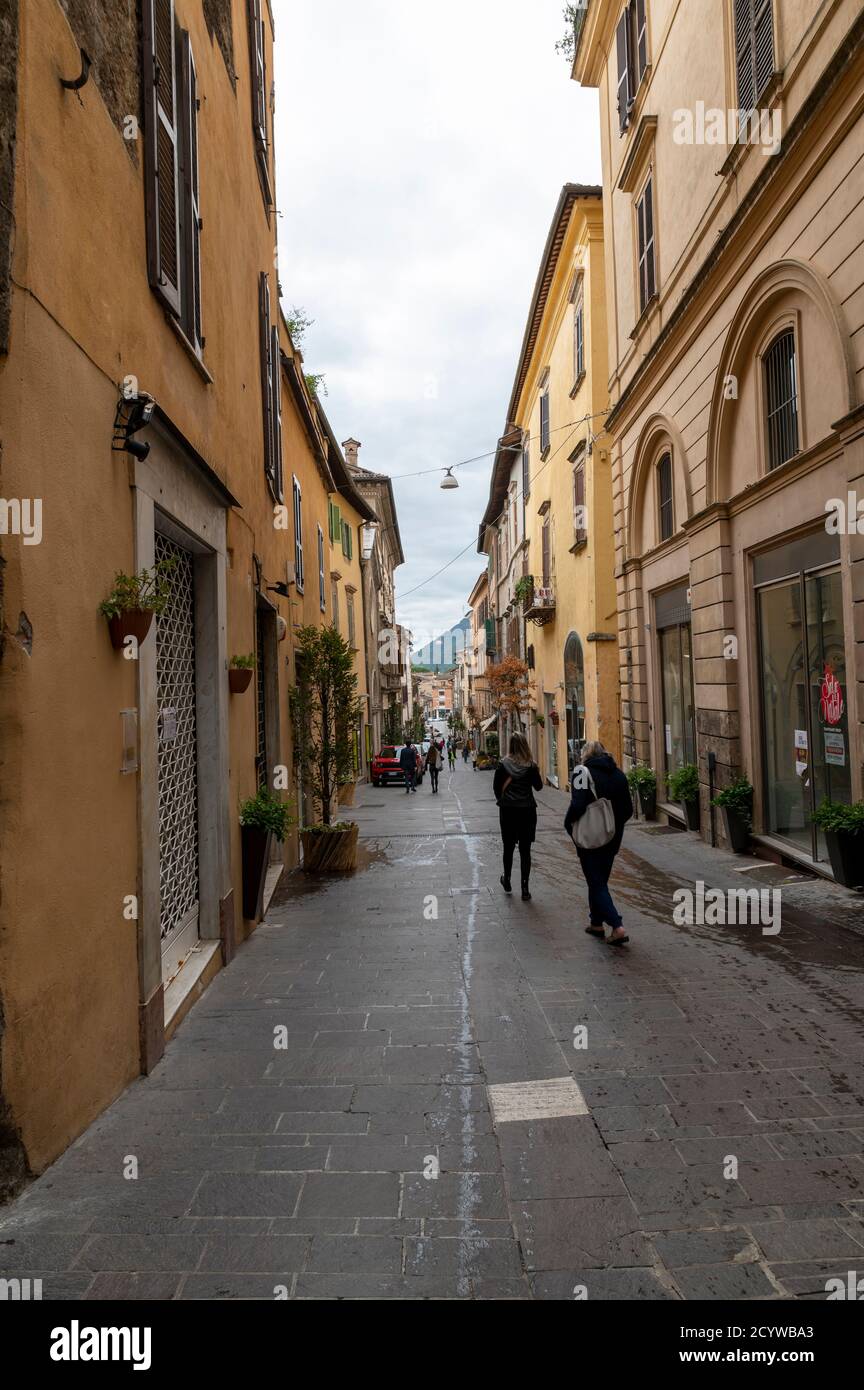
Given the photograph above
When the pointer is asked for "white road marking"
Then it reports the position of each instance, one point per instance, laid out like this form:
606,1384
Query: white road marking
536,1100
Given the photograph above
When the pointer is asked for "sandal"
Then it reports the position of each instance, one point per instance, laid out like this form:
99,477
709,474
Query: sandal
596,931
618,940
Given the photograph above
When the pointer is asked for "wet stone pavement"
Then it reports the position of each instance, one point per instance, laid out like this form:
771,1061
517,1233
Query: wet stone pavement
327,1122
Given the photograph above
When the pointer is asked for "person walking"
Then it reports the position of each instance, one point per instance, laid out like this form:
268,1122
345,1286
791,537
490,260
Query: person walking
451,754
598,777
433,766
408,764
466,751
517,777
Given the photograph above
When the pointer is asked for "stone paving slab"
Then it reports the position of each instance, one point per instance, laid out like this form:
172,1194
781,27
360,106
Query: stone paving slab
358,1157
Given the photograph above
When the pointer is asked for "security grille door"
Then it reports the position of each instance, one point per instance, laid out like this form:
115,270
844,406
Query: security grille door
178,760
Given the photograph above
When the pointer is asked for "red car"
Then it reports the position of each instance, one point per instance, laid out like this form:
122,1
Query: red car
386,767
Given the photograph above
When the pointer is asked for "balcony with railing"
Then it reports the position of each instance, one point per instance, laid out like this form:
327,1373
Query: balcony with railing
538,601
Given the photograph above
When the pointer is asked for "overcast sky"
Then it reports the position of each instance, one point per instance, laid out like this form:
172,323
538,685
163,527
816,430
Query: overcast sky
421,152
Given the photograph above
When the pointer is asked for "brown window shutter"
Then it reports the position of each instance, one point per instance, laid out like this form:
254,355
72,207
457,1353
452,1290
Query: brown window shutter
276,374
191,203
160,146
266,374
622,43
259,73
545,535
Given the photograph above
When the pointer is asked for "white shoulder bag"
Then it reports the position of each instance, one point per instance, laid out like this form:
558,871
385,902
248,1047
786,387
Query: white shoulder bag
596,826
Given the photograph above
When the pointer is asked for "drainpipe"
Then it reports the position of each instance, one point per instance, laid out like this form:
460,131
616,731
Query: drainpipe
712,767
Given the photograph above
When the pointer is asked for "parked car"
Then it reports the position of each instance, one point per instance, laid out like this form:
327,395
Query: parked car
386,767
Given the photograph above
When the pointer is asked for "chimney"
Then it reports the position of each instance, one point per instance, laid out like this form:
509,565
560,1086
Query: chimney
351,447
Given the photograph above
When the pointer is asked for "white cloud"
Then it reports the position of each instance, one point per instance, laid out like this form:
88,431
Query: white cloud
420,153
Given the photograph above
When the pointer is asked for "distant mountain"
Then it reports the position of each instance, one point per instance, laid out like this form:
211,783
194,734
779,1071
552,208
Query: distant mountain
441,654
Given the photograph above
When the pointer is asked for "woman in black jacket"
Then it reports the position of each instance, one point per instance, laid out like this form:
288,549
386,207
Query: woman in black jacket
609,781
516,779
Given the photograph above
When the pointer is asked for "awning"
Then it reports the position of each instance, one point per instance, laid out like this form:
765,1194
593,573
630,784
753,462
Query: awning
487,723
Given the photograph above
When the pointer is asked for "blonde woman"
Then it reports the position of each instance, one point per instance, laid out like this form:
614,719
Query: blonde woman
517,777
609,781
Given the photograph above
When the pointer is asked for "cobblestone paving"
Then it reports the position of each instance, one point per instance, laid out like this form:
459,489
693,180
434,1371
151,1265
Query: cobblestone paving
397,998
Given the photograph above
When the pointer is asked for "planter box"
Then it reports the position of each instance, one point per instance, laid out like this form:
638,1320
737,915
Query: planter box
346,794
330,851
648,803
737,831
846,852
239,679
692,817
255,845
134,622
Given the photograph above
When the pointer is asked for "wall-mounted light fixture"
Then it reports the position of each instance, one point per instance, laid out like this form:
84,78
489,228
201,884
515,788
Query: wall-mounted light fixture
133,413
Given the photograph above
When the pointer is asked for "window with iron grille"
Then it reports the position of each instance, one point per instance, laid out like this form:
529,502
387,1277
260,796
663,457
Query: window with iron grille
781,391
171,175
754,50
665,502
645,230
322,585
298,536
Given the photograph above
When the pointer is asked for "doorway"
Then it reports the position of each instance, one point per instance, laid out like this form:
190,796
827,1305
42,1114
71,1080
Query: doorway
804,699
177,735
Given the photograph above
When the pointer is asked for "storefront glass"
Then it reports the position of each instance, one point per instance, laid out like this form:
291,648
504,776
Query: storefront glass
574,698
805,721
676,669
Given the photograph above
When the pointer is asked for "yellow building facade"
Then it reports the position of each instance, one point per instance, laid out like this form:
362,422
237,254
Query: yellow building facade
567,591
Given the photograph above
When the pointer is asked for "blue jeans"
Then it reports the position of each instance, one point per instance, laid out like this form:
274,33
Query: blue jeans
597,866
409,781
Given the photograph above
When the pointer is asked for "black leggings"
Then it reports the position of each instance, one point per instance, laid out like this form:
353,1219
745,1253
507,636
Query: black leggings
518,830
434,773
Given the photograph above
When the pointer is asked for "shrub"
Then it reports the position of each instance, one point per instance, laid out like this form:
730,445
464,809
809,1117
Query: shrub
642,778
838,818
684,784
737,798
264,811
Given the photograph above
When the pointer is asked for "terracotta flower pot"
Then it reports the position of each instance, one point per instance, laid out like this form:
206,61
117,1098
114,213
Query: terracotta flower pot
239,678
132,622
330,851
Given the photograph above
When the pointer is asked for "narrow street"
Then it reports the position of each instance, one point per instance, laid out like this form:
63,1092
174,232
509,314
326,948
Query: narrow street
325,1123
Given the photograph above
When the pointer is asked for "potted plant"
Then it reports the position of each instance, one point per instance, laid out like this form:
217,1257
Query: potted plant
262,817
240,673
540,719
326,711
736,803
684,788
843,828
643,782
523,591
133,601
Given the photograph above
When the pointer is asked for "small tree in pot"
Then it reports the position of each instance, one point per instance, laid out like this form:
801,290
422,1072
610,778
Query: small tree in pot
326,710
262,817
684,788
643,782
736,803
843,828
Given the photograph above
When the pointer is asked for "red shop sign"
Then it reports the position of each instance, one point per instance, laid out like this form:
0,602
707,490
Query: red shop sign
831,703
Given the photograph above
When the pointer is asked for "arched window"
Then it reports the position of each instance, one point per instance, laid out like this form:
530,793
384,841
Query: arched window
665,502
574,699
781,396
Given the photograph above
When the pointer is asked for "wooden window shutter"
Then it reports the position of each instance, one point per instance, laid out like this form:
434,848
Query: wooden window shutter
299,576
754,50
191,202
641,54
526,473
259,74
276,413
161,154
266,376
322,592
622,43
579,503
545,534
